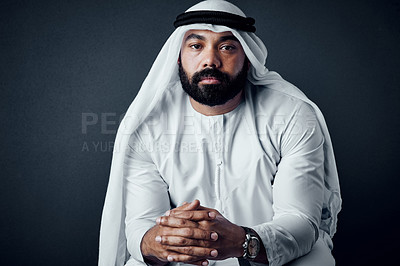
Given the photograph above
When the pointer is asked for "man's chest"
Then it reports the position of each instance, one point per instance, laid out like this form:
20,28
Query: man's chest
214,153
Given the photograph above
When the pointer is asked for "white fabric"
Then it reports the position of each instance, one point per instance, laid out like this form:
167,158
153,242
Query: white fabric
163,73
229,162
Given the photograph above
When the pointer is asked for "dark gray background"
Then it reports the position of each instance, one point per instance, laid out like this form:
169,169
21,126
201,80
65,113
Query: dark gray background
60,60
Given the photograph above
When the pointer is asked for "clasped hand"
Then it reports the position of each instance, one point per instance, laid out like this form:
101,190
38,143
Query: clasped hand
192,234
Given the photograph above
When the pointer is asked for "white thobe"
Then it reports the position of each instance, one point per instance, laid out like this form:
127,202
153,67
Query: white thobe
260,165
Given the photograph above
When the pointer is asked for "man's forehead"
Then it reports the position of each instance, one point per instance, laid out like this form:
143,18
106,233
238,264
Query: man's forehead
206,34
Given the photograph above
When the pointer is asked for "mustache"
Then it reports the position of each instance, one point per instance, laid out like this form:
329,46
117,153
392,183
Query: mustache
209,72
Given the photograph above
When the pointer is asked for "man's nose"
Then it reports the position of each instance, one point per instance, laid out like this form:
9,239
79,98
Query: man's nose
211,58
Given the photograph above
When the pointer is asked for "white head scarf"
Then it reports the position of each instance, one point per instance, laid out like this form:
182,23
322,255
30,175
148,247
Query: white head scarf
165,72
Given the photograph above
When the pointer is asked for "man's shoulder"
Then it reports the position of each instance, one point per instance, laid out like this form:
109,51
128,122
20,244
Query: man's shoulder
266,99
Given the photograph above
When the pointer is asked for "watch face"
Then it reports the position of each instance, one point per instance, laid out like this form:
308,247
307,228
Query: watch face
254,247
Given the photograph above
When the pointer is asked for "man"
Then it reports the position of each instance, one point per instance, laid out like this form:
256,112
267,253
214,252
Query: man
245,156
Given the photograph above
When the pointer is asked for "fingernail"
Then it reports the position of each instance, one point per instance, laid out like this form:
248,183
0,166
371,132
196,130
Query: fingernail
212,215
214,253
158,220
167,213
214,236
184,203
158,239
170,258
204,263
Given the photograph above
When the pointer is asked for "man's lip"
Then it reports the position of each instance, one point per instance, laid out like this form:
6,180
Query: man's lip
210,80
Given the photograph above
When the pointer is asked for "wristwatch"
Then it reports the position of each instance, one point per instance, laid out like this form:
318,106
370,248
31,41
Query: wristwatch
251,245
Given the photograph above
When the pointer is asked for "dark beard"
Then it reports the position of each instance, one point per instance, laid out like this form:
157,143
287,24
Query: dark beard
213,94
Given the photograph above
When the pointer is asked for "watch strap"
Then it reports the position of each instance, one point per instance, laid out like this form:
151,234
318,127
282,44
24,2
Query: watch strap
243,262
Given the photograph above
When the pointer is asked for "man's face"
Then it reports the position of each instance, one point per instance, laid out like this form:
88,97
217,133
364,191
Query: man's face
213,66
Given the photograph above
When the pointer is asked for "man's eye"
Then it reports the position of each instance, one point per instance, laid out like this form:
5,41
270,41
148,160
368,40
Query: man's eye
228,47
195,46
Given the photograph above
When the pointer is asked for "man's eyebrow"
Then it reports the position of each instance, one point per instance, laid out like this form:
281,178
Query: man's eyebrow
228,38
202,38
195,36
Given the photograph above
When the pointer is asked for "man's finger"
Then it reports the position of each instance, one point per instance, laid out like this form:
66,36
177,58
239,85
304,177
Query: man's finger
199,262
187,259
191,251
205,208
174,256
170,255
182,241
193,233
176,222
191,206
194,215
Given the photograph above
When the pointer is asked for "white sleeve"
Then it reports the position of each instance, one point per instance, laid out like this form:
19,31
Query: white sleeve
297,191
146,195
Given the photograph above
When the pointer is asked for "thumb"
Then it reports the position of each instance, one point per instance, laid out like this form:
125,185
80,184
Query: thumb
191,206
